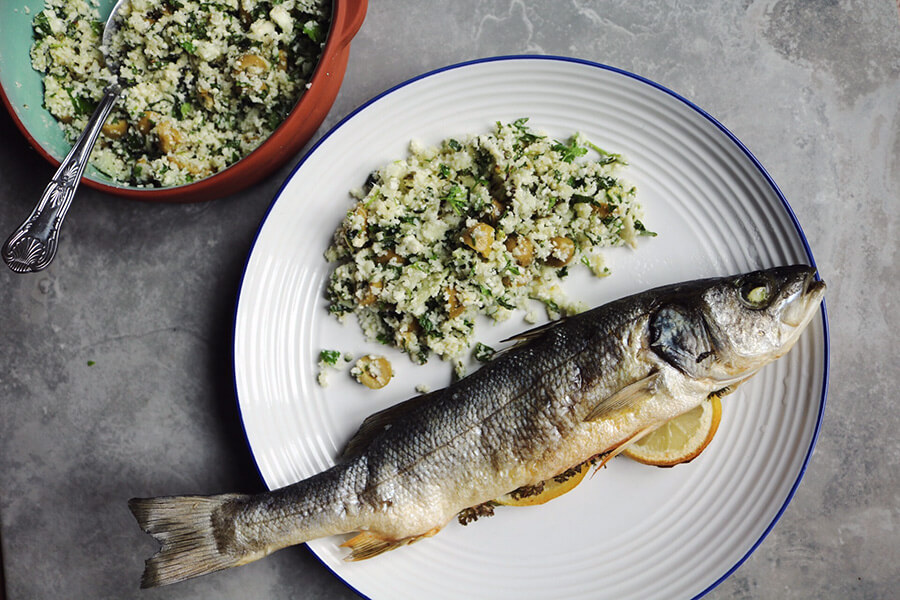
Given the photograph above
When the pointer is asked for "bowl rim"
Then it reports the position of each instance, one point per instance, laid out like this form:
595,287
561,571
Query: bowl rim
346,19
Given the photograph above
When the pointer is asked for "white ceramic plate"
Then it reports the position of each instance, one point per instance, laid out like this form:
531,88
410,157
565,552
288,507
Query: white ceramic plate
631,530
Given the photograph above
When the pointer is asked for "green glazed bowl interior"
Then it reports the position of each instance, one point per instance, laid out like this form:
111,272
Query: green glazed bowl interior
22,84
21,89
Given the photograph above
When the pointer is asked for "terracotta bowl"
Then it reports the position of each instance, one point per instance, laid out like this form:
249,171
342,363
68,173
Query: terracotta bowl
22,92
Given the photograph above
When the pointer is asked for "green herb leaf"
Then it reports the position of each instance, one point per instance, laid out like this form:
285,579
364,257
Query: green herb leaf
526,136
313,31
82,105
188,46
639,227
372,197
454,145
329,357
427,326
338,308
506,304
569,153
607,157
483,353
511,268
41,25
456,197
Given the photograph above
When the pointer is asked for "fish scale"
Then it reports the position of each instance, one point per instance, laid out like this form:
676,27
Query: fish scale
564,393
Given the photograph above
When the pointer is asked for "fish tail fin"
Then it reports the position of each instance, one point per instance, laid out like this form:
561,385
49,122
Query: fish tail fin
193,543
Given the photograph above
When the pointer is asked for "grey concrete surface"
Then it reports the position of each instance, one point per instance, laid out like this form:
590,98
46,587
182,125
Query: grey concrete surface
115,375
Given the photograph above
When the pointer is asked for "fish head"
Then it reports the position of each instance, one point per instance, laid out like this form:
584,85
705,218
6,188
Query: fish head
755,318
724,330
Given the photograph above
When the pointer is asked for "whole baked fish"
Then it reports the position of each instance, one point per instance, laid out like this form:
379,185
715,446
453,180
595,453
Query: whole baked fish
568,392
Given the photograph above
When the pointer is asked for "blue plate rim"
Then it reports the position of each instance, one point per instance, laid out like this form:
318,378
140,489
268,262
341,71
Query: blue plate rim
516,57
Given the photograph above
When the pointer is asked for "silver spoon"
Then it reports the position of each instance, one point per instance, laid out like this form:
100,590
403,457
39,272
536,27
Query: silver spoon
33,245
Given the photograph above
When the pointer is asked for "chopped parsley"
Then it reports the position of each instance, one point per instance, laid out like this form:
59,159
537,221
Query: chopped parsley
427,326
505,303
329,357
42,26
313,31
569,152
82,105
456,197
525,135
642,230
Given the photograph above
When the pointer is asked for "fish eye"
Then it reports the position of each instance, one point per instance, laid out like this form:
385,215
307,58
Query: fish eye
755,292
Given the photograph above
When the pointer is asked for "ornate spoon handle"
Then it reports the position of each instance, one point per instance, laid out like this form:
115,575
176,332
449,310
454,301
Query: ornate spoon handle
33,245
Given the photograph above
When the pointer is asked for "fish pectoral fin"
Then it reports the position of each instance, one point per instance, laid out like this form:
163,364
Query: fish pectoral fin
535,331
523,338
376,423
617,450
630,395
368,544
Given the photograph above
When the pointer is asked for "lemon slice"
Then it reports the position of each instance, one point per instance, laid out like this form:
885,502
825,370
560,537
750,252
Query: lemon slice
680,440
548,490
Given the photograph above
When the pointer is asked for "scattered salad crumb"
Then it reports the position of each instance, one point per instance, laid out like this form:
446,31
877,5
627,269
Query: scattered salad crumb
483,352
331,360
373,371
459,368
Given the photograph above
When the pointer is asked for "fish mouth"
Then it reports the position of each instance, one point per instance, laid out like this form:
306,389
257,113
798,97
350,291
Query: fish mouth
804,303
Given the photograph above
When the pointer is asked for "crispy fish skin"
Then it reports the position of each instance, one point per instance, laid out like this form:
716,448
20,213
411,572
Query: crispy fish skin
566,392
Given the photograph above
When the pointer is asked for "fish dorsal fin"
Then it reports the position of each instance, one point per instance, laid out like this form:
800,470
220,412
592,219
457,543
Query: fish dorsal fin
628,396
378,422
